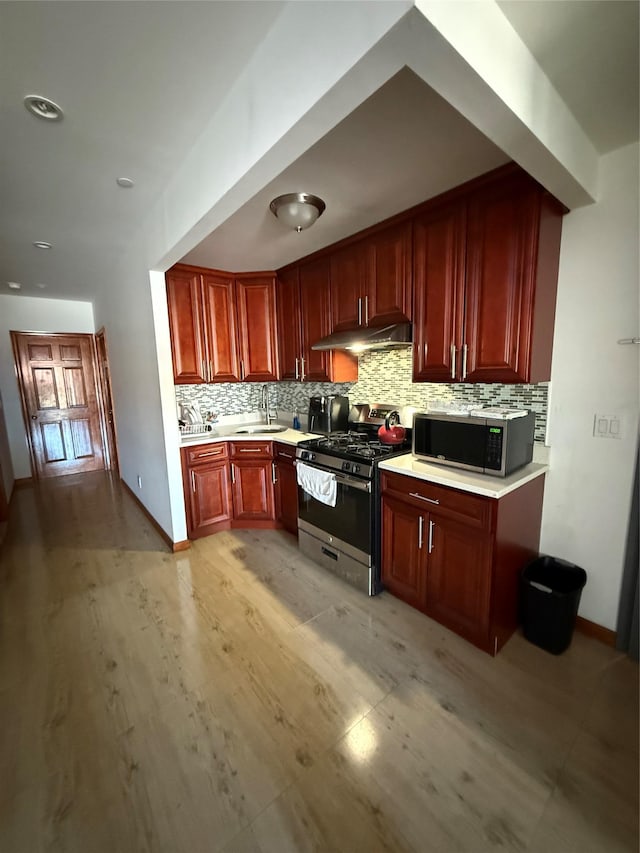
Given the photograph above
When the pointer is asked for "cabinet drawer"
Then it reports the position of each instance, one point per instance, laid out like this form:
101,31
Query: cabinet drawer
250,449
205,453
286,453
473,509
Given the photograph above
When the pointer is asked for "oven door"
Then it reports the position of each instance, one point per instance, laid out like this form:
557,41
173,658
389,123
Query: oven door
347,525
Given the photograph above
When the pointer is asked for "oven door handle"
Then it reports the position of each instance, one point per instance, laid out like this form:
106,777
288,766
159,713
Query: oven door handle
350,482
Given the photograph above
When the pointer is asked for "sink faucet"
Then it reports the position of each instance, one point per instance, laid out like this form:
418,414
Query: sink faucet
264,403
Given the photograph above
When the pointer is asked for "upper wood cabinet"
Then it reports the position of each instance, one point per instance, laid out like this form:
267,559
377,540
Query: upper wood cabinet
304,317
371,280
222,327
485,273
256,303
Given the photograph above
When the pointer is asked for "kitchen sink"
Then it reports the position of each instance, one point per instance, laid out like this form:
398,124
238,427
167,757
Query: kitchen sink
252,430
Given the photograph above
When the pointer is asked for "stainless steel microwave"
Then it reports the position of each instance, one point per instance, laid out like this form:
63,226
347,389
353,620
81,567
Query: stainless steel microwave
493,446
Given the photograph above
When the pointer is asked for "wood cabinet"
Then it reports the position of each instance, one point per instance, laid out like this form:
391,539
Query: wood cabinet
205,470
485,277
458,556
222,326
285,487
304,317
252,477
371,280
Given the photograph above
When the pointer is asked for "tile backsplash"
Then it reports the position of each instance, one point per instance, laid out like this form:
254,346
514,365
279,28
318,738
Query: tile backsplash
383,377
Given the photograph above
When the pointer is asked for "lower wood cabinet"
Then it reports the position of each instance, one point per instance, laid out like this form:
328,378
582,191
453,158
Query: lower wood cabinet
285,487
457,556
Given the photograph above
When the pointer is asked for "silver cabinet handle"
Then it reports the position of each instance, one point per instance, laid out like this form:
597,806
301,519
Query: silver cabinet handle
297,372
422,498
359,310
233,473
420,532
211,371
250,450
274,478
216,452
204,371
430,545
302,373
193,482
288,455
241,370
366,310
453,361
464,361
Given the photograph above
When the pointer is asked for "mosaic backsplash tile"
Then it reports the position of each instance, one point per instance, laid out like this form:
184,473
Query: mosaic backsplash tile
383,377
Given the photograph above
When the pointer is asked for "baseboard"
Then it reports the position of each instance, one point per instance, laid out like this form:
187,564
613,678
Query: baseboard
598,632
22,481
174,546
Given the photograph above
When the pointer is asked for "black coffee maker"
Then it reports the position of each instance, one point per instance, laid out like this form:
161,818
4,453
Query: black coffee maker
328,414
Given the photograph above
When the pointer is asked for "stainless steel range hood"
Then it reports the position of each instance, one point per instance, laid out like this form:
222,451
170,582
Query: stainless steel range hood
361,340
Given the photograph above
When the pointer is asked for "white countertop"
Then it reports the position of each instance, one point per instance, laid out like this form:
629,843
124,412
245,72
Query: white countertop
226,432
466,481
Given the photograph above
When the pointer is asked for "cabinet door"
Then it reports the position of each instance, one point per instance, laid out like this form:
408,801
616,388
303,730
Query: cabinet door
209,500
220,327
403,551
286,496
347,275
184,300
252,490
501,268
388,289
458,576
315,317
288,305
438,292
256,302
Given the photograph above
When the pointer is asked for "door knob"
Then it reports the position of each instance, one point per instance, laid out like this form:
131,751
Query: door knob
34,417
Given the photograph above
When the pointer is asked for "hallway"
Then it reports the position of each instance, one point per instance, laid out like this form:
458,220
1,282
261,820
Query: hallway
236,698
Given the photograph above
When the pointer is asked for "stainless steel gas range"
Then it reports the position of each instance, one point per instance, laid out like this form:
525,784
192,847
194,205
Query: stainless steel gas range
343,535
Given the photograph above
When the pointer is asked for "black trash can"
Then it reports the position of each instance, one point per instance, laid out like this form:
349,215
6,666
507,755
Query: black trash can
550,595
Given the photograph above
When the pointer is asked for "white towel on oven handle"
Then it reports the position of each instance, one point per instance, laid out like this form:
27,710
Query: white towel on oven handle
321,485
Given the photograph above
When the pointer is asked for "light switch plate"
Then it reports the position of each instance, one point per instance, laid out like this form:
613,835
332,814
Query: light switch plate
607,426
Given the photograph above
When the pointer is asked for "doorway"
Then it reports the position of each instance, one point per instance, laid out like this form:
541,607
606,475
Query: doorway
60,402
111,444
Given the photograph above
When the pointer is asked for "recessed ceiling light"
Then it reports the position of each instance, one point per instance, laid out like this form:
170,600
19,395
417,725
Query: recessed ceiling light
43,108
125,183
41,244
41,286
14,285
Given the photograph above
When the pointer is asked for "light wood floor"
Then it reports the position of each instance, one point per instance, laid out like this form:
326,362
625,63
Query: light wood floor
236,698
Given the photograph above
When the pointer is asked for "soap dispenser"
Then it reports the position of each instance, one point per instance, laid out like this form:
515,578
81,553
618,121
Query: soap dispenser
296,419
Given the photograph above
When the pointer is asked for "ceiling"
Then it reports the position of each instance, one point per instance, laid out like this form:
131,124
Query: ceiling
139,81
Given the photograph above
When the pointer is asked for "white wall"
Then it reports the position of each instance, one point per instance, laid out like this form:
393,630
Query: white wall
31,314
588,490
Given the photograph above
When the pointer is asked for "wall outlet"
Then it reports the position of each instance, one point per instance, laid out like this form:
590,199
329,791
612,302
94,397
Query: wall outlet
139,481
607,426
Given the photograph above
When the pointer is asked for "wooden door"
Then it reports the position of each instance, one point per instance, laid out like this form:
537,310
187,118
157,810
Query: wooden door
220,328
209,498
104,373
458,577
286,496
438,293
315,317
256,303
288,306
500,276
184,300
58,385
347,276
388,293
403,551
252,490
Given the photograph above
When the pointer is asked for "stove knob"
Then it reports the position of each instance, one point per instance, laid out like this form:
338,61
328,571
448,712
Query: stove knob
346,466
356,468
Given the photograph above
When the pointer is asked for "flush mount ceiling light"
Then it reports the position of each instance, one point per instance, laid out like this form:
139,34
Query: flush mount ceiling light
125,183
297,210
43,108
41,244
14,285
